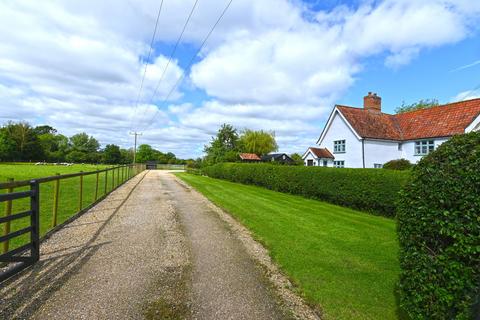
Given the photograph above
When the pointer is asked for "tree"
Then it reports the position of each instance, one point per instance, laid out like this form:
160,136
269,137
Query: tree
224,146
258,142
112,154
83,143
422,104
7,146
297,158
27,146
146,153
126,156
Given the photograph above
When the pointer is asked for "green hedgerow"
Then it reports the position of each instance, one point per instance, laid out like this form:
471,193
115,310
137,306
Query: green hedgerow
371,190
399,164
439,232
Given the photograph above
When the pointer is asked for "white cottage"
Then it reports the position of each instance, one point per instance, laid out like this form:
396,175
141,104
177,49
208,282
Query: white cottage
367,138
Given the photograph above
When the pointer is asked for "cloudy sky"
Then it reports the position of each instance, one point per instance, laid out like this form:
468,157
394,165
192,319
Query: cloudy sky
276,65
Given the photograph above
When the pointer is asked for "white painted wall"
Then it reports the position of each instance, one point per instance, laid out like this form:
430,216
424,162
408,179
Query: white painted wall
377,151
339,130
408,149
310,156
316,161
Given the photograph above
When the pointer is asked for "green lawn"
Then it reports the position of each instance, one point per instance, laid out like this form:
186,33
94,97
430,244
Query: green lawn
342,260
68,198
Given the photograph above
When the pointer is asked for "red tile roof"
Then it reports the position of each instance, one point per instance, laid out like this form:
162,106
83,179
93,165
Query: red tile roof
322,153
441,121
249,156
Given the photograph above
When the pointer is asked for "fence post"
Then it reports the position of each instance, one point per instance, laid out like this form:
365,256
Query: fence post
96,187
56,191
80,205
118,176
8,211
35,220
113,178
106,181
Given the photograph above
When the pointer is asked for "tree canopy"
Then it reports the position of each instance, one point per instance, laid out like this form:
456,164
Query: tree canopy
258,142
422,104
19,141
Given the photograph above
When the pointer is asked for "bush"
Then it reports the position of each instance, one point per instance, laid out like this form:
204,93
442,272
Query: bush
439,233
371,190
399,164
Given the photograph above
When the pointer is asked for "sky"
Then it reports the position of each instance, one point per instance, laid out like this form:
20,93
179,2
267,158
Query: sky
276,65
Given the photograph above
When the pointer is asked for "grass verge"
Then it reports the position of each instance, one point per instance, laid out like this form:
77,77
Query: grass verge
342,260
69,197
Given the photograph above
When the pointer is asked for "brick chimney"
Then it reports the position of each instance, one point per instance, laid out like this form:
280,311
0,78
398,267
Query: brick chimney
372,102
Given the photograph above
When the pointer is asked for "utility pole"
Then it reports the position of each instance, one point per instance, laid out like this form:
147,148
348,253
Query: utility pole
136,134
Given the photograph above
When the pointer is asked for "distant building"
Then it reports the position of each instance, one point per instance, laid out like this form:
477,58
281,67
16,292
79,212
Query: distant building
249,157
278,157
151,165
367,138
317,157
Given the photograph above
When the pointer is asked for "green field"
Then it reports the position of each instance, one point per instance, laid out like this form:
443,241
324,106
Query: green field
69,197
343,261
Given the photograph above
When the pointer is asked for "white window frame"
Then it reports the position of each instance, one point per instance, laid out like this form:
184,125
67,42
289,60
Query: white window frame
339,146
424,147
339,163
310,163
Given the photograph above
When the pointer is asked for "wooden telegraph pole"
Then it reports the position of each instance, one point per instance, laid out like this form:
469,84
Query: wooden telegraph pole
136,134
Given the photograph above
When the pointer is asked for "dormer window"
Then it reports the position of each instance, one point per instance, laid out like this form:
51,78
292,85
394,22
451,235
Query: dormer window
424,147
339,146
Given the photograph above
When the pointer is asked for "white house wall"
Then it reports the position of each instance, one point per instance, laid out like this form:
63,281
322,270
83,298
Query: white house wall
310,156
378,151
408,149
339,130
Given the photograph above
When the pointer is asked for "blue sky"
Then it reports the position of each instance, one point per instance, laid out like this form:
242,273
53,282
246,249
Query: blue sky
78,65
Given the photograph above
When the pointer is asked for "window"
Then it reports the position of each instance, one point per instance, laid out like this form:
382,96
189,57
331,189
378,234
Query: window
339,146
378,165
309,163
325,162
400,146
339,164
424,147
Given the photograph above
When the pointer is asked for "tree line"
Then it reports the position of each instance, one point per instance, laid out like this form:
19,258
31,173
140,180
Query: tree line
19,141
226,145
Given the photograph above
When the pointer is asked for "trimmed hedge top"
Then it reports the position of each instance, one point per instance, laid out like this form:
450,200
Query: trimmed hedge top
371,190
439,232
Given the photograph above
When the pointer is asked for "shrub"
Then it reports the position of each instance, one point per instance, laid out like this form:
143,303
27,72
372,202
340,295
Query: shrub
399,164
371,190
439,233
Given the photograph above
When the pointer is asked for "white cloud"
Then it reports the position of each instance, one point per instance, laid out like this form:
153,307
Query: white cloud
467,95
270,64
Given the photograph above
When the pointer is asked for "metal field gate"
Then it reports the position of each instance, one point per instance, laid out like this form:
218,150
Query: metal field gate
26,255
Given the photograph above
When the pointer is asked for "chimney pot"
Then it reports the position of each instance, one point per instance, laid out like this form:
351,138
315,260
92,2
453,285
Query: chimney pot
372,102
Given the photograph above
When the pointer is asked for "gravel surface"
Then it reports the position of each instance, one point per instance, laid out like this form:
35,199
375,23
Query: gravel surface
226,281
107,264
153,249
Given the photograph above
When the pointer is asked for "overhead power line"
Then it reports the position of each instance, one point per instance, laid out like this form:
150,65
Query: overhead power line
146,64
190,63
174,49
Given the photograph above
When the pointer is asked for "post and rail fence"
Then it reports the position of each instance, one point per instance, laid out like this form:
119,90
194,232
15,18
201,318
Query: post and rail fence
14,259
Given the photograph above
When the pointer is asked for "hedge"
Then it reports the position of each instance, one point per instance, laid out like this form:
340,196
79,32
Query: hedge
371,190
439,233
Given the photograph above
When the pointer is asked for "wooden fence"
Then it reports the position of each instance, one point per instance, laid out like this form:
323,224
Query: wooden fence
111,179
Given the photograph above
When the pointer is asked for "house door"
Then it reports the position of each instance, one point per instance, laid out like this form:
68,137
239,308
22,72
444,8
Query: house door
325,162
309,163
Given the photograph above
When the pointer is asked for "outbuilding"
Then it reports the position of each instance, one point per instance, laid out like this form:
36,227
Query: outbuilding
151,165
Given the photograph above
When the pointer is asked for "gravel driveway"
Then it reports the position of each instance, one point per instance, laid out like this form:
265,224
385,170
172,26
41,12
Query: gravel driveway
152,249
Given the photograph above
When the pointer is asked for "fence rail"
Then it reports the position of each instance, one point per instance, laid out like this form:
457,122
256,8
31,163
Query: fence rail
14,260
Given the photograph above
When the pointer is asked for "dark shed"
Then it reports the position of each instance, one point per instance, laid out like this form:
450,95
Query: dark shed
151,165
